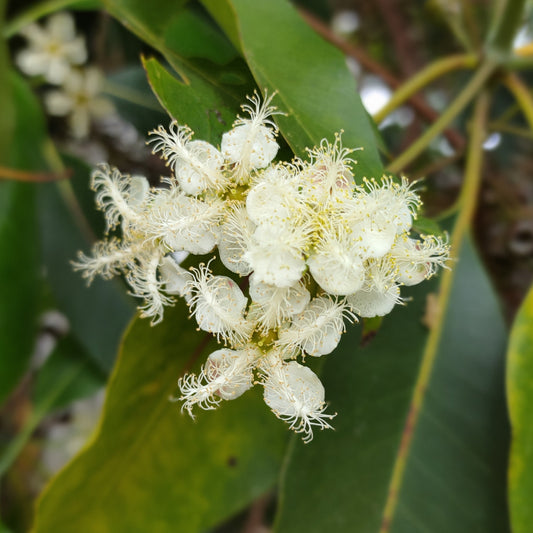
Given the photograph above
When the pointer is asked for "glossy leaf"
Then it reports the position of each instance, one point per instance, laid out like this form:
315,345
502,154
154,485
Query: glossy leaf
520,401
151,468
451,475
19,285
313,83
212,80
200,106
19,270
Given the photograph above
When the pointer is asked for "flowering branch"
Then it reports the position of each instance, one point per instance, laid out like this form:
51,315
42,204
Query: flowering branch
459,103
425,77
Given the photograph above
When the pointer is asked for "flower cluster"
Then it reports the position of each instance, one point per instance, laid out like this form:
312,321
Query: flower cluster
317,250
58,54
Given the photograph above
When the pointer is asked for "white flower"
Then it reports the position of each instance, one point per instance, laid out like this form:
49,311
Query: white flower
118,195
381,291
328,175
184,222
79,98
251,143
418,260
235,233
174,277
296,395
335,264
274,199
318,328
371,302
277,257
399,200
298,229
109,258
196,164
226,375
218,305
145,284
52,50
275,305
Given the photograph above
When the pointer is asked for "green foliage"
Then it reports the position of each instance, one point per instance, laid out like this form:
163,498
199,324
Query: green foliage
19,283
152,468
520,398
313,83
455,418
421,434
210,89
197,105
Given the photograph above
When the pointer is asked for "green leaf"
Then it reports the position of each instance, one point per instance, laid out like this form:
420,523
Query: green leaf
192,37
520,402
198,106
151,468
421,432
212,81
19,282
313,83
427,226
43,9
19,270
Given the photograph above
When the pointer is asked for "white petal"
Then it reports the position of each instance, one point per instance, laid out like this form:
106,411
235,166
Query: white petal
79,122
32,62
61,26
196,174
274,305
373,302
281,265
318,329
252,145
233,370
374,238
218,305
58,103
234,236
337,271
57,71
174,277
138,191
296,395
76,51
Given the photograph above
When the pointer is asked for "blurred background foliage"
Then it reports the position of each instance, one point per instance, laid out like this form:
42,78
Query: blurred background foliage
423,440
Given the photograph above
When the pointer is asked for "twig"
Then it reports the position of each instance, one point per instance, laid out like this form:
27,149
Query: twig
417,102
33,177
404,51
470,91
